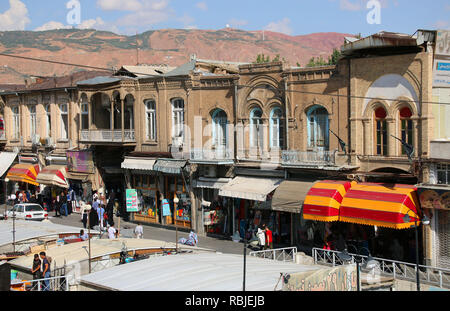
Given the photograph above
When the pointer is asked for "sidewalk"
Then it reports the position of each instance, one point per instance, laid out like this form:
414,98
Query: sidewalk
150,232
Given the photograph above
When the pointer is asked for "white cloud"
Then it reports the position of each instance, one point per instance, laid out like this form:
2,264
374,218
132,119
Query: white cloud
16,17
52,25
282,26
142,12
202,6
92,24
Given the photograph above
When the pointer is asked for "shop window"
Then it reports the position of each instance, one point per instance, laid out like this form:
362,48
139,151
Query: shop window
443,174
406,129
381,132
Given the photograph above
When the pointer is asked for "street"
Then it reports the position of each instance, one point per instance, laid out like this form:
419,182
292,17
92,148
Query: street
161,234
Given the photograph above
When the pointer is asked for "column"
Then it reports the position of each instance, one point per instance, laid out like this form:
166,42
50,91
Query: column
391,141
367,141
122,115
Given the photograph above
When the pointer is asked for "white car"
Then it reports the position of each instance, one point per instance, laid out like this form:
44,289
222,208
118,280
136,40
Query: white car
28,211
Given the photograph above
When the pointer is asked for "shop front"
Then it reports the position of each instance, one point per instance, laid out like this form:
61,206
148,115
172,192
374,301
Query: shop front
287,202
145,181
22,177
163,191
6,160
81,176
365,218
216,211
435,201
252,200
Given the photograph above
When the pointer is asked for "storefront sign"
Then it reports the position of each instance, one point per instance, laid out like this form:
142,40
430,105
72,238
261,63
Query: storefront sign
132,201
441,69
343,278
434,198
166,208
80,161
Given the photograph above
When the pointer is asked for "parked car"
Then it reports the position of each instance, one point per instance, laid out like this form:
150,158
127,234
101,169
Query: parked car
28,211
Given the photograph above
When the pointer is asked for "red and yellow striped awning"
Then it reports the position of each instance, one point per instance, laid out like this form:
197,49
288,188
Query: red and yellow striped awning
380,205
54,175
26,173
323,201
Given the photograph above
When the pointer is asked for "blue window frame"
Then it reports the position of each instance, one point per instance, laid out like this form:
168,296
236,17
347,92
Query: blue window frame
318,128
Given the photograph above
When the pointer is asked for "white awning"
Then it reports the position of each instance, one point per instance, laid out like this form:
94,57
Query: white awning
141,164
6,160
212,183
250,188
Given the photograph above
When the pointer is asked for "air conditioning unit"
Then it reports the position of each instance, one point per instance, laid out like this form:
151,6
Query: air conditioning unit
36,140
47,142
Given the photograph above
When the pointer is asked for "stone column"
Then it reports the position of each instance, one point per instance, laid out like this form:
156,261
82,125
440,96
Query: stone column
368,139
391,141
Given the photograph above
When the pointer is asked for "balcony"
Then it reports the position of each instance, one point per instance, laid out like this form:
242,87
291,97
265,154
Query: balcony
221,156
108,136
260,155
308,159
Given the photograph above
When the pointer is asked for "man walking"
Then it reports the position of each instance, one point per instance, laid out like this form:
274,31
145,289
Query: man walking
139,232
112,232
45,271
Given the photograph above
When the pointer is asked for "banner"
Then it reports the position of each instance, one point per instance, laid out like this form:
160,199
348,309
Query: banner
343,278
434,198
441,68
80,162
132,201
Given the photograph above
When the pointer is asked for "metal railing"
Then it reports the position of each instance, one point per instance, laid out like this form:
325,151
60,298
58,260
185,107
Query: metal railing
107,136
211,154
281,254
398,270
325,158
272,155
52,284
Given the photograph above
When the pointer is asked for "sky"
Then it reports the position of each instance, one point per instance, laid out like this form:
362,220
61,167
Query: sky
292,17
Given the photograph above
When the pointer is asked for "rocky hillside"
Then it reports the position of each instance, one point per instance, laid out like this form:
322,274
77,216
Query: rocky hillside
169,46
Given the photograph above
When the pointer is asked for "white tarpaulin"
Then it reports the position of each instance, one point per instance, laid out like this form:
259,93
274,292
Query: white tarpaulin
250,188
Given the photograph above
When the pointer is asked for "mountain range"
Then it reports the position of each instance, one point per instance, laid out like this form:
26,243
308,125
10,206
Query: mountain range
167,46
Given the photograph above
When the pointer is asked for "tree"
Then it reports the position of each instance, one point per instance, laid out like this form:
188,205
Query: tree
334,58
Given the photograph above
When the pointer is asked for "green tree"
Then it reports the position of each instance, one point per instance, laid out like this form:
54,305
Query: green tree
334,58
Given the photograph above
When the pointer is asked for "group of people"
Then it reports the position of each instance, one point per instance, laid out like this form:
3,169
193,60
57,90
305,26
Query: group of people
101,212
41,269
265,237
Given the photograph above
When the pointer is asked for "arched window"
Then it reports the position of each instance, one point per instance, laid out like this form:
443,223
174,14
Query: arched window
256,129
276,128
406,127
318,128
219,129
381,132
177,119
84,115
150,114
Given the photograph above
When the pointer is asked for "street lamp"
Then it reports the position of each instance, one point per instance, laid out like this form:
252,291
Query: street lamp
176,201
426,222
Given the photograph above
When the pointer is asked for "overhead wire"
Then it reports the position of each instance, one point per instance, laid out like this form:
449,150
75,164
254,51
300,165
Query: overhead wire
112,70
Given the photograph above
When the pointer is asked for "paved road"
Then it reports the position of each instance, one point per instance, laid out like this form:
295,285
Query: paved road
161,234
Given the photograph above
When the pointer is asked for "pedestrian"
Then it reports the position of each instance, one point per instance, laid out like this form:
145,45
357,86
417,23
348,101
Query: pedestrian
93,218
101,215
84,214
83,235
36,269
261,238
64,204
139,231
269,238
110,208
69,201
57,205
112,232
46,272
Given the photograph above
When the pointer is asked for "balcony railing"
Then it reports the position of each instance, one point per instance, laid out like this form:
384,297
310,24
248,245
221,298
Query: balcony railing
260,155
220,154
108,136
309,158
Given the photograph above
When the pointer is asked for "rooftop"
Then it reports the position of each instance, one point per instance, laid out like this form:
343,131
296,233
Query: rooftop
194,272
